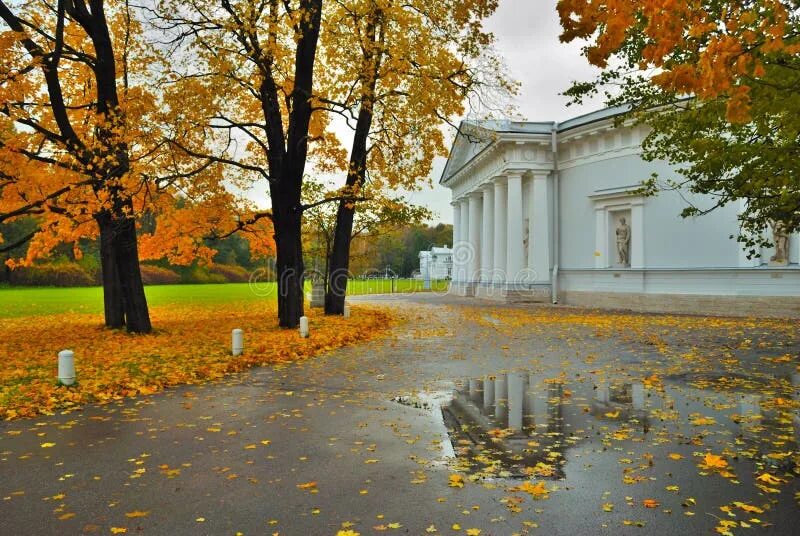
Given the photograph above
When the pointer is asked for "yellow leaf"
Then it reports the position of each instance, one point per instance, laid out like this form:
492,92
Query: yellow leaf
137,513
456,481
47,445
473,532
769,479
118,530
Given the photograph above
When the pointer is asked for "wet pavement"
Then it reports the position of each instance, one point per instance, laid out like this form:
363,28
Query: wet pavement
469,416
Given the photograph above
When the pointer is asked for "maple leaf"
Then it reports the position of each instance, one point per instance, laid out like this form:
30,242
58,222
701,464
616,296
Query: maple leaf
456,481
713,461
537,491
651,503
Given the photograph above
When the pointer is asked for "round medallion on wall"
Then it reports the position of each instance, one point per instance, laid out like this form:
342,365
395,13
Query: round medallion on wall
529,154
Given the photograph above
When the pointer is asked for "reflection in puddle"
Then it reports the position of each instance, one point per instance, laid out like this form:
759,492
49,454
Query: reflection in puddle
518,425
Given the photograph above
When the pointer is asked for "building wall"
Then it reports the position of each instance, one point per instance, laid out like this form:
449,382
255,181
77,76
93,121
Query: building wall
687,265
670,240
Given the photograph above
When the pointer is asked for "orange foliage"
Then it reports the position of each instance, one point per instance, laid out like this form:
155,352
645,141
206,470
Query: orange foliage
700,48
191,346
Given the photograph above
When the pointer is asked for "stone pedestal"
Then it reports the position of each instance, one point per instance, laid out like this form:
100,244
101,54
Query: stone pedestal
318,294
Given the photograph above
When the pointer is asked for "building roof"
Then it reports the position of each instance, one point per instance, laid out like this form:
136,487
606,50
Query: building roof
482,134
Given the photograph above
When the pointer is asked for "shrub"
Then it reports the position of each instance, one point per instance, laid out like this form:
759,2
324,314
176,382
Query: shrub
62,274
201,274
231,273
156,275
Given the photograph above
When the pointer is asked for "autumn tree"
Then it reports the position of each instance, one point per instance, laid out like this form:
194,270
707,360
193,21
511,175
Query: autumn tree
379,213
718,82
82,151
401,70
65,145
253,63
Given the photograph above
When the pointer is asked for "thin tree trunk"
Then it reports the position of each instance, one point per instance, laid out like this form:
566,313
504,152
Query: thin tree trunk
339,264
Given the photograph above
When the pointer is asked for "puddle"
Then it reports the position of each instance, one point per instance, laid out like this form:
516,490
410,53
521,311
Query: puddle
687,439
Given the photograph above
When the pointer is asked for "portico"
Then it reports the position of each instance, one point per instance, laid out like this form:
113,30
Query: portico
502,223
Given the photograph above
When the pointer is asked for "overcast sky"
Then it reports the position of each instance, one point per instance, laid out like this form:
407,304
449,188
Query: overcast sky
526,35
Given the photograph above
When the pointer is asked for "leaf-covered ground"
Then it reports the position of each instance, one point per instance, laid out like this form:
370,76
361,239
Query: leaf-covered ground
468,419
190,344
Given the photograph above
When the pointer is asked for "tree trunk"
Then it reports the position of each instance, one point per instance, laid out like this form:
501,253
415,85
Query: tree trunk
126,253
289,263
112,290
124,300
339,264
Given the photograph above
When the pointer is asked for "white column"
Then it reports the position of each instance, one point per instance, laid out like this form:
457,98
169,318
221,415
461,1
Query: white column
540,230
456,238
463,239
515,252
499,248
637,236
487,236
475,213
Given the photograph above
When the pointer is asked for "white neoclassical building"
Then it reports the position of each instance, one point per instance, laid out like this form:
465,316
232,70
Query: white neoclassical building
546,211
436,263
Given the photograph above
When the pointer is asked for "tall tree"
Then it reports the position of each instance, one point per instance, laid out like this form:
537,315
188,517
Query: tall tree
66,125
719,83
403,70
255,63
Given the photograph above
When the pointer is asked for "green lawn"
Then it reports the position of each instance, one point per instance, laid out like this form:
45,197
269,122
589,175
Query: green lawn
24,301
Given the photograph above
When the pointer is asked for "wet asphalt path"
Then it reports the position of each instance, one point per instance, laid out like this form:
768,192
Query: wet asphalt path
319,446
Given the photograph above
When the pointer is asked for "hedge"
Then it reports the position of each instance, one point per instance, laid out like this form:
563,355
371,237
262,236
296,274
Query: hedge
67,274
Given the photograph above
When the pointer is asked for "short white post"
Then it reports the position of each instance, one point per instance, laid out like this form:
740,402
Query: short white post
346,311
304,326
66,367
237,342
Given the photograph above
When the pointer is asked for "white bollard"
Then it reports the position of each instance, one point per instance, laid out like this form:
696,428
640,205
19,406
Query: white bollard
66,367
347,311
237,342
304,326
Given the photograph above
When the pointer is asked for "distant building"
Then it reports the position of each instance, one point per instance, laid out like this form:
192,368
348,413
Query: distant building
436,263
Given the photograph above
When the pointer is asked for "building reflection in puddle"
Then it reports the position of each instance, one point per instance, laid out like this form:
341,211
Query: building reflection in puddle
520,424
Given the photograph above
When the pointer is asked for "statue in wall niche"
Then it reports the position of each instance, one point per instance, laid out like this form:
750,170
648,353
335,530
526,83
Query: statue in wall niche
781,239
623,233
